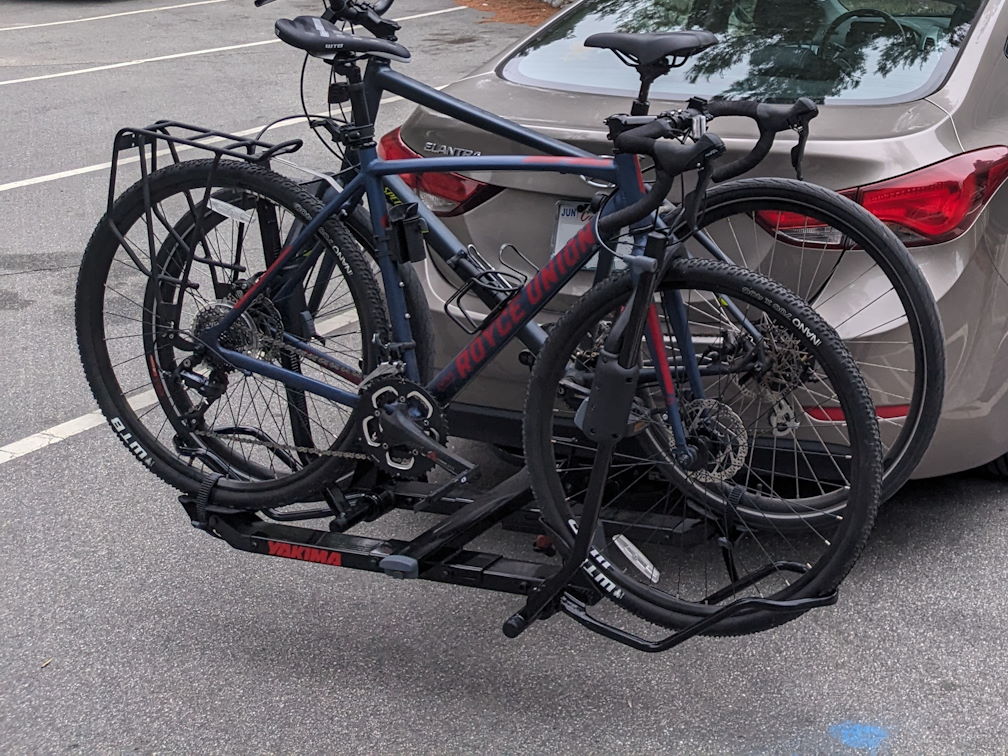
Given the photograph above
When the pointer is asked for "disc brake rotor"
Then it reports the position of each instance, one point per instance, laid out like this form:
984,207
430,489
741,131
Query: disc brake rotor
787,366
719,434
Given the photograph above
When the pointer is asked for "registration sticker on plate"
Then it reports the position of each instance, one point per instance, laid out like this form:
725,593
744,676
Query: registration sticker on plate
571,216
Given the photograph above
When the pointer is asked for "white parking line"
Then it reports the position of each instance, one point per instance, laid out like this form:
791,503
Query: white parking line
141,61
66,430
161,153
174,56
140,401
70,428
109,15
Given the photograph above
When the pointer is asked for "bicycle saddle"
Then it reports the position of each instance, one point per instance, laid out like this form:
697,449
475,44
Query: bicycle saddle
646,49
320,38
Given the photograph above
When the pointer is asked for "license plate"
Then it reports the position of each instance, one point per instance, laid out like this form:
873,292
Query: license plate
571,216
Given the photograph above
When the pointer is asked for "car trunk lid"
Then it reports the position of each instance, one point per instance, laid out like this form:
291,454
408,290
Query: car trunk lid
849,144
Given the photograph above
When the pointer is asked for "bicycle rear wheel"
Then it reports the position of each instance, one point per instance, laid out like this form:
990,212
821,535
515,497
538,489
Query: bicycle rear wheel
861,279
151,281
780,504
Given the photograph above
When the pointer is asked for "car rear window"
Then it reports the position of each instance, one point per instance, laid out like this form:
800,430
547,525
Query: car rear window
771,50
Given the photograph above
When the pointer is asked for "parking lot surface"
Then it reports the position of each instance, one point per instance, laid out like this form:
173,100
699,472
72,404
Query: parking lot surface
124,630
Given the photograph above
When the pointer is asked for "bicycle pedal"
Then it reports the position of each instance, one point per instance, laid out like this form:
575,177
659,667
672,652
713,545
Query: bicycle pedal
400,567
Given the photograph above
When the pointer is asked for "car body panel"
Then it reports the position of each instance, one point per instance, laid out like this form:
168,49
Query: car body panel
851,145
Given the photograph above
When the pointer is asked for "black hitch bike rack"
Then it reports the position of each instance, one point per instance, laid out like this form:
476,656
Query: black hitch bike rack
439,554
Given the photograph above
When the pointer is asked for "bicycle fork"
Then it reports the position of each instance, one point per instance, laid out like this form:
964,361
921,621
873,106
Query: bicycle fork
605,417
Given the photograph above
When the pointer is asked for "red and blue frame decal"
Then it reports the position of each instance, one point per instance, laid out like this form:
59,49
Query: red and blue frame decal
517,313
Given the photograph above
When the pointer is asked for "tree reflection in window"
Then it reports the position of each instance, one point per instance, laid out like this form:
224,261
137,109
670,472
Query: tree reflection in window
775,50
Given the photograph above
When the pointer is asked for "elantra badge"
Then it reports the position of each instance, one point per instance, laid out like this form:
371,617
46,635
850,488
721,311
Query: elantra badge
445,149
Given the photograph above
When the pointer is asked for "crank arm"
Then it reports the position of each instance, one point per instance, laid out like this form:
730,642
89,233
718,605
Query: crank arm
399,428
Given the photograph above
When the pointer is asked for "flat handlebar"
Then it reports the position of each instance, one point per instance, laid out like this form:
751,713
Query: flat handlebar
358,12
363,14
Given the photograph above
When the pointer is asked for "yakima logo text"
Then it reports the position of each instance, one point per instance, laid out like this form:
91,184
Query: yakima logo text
304,553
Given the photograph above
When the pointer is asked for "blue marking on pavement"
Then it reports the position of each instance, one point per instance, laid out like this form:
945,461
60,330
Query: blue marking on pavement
862,737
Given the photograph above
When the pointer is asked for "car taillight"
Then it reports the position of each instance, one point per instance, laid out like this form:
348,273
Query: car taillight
934,204
835,414
796,228
444,193
939,202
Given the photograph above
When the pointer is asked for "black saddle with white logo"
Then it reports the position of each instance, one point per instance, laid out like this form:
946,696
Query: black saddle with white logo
322,39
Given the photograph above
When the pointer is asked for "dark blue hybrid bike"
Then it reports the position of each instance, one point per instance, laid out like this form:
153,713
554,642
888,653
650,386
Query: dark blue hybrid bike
701,449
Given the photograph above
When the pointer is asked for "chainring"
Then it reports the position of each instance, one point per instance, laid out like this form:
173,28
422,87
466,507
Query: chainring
397,460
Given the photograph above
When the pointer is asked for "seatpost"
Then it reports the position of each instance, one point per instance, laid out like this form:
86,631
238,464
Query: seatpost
641,106
362,133
648,74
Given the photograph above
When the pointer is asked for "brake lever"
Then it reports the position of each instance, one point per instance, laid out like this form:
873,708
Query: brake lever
798,151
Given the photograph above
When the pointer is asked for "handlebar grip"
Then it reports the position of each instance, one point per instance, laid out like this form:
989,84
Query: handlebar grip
674,158
746,108
768,117
362,14
641,140
671,159
333,10
781,117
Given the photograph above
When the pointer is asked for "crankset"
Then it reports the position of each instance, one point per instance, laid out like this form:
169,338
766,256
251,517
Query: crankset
403,430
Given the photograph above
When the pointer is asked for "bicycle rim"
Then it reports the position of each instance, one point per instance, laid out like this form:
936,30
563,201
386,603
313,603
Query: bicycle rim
210,232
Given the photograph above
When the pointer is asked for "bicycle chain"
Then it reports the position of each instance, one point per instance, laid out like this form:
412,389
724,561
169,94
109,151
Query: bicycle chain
284,447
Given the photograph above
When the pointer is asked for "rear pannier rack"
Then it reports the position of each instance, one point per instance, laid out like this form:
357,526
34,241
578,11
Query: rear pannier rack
221,144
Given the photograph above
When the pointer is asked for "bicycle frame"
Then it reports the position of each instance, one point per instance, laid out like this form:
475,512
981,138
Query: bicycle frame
376,180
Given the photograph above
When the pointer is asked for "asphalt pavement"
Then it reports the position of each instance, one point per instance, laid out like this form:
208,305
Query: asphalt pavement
122,629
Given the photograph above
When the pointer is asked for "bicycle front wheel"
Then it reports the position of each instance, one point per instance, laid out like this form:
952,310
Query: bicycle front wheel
774,502
860,278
